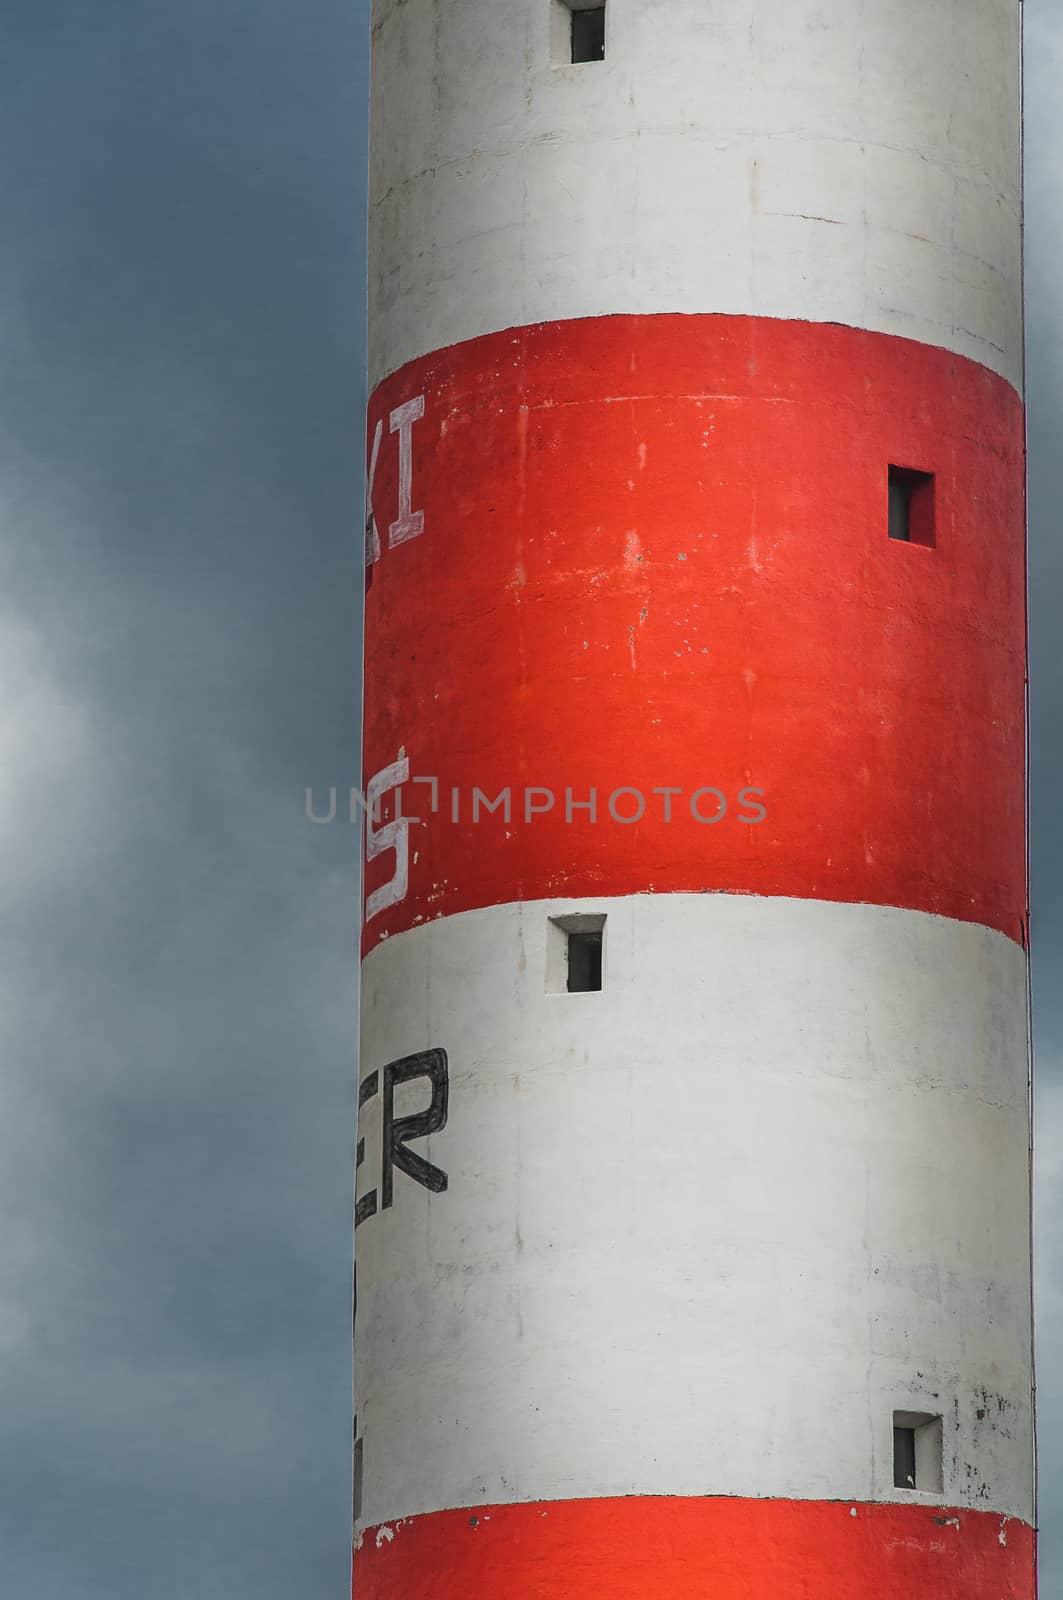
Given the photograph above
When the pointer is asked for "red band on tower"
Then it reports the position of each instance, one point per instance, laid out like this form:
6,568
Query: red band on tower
656,555
691,1549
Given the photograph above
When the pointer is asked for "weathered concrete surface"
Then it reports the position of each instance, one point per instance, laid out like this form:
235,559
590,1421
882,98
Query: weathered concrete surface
646,1275
705,1230
855,163
654,551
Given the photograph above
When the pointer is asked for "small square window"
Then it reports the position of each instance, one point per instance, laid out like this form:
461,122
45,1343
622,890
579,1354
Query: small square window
577,31
911,506
575,946
918,1444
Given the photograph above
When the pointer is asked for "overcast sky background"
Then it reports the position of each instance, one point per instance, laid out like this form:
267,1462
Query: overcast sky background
181,329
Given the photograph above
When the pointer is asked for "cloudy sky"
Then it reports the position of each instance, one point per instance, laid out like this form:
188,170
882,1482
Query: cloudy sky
181,325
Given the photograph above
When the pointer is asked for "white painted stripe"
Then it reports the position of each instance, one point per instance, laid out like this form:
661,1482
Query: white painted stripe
781,158
704,1230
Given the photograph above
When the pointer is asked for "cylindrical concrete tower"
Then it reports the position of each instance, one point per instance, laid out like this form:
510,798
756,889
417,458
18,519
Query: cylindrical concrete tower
692,1223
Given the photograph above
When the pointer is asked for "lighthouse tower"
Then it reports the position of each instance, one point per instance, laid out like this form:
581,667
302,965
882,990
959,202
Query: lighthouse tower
692,1205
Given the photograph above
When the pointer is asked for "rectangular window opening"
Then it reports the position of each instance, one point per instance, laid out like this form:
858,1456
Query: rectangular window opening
575,947
584,962
903,1458
918,1456
588,33
911,506
357,1485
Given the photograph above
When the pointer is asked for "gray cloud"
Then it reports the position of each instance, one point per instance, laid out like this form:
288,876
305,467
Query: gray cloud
181,327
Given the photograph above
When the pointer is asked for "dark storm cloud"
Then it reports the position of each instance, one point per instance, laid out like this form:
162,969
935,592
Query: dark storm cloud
181,308
180,328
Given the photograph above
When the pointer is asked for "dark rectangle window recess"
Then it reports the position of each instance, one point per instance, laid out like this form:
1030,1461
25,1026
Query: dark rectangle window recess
357,1477
904,1458
584,962
911,506
918,1451
575,947
588,33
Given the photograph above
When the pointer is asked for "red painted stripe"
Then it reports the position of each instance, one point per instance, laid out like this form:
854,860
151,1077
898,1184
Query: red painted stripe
664,1549
654,553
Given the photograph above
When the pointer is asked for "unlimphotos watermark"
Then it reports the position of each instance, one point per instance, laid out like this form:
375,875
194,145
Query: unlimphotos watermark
624,805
